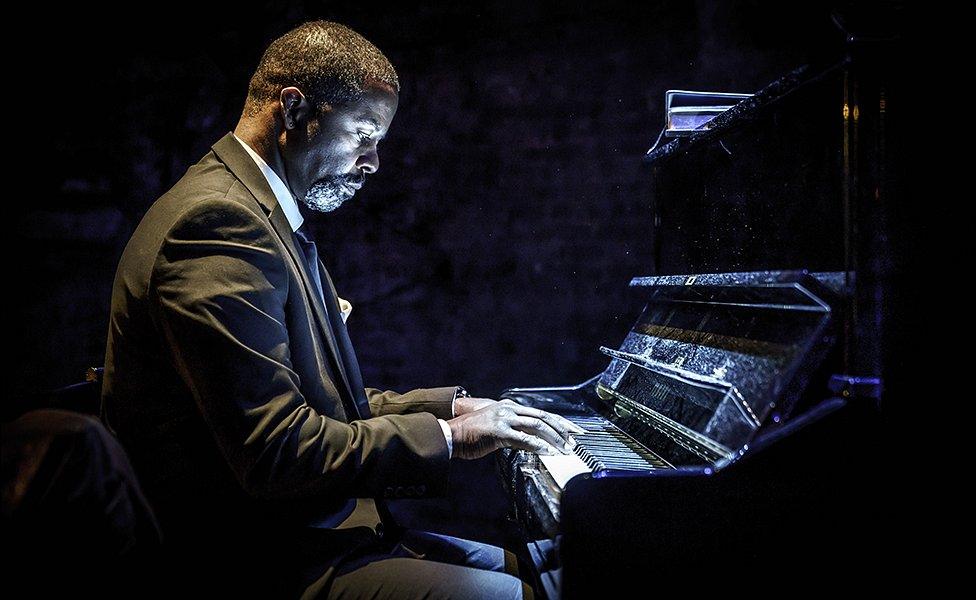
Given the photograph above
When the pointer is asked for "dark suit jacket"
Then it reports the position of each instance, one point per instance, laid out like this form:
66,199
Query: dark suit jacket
234,397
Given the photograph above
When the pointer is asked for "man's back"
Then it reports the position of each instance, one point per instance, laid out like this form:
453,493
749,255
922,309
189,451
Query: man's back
144,399
147,403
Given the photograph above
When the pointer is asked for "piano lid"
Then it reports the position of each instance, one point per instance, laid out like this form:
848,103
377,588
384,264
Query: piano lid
713,357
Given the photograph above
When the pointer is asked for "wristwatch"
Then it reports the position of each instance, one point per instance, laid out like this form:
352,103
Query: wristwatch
459,392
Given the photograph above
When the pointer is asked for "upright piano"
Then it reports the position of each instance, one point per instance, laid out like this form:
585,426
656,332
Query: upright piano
735,435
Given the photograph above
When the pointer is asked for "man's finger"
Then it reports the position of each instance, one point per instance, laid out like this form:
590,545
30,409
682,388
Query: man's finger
562,425
529,443
540,428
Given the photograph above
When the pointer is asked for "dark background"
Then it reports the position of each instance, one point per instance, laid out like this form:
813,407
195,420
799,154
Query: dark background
494,246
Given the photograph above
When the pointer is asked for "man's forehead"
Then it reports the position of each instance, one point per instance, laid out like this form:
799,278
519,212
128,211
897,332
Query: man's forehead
373,109
375,114
375,106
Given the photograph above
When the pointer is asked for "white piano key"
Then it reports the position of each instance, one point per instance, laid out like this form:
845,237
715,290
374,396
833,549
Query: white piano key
563,467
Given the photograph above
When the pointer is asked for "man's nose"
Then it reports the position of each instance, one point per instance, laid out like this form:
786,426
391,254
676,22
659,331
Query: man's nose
369,161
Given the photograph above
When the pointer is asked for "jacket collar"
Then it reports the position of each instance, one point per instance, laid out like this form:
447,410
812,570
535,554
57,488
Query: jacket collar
233,154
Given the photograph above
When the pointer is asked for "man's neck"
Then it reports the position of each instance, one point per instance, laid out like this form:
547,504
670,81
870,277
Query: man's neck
262,149
263,140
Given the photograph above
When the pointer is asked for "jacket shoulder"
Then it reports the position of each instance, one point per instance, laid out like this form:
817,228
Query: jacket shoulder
208,181
208,194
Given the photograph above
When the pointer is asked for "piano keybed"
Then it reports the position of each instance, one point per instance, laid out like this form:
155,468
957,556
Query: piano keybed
542,478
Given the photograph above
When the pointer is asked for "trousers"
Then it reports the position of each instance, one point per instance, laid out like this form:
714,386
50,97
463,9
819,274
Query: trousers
422,564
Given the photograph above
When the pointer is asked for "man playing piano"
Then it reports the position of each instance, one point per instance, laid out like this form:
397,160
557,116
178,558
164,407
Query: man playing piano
231,379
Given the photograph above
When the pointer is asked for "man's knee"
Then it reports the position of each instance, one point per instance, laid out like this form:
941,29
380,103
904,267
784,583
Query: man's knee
457,551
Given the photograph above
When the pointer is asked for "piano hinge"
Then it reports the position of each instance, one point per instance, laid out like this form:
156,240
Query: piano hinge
850,386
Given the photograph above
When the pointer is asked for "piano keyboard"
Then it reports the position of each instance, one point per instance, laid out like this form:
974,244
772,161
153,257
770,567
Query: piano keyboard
603,446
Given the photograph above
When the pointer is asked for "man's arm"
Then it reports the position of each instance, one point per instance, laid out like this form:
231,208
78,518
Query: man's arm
218,292
436,401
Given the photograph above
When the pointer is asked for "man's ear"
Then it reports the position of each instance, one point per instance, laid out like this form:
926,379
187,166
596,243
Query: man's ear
294,107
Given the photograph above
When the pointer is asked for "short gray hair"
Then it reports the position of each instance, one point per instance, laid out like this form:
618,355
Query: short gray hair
330,63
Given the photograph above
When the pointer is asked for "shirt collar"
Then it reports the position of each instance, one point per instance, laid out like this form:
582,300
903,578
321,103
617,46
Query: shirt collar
285,200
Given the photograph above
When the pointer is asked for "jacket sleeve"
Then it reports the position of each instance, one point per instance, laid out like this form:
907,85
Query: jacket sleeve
217,294
438,401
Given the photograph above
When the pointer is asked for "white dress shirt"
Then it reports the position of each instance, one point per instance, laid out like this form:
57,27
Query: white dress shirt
289,206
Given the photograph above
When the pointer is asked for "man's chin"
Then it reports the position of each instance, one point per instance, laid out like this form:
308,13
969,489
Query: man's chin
328,202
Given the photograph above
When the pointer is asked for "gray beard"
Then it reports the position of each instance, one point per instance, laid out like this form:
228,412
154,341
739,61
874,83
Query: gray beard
326,195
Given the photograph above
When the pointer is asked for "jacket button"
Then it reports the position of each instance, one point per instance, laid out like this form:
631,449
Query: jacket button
421,489
399,490
388,492
411,491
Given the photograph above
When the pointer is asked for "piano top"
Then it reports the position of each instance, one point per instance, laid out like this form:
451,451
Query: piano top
743,112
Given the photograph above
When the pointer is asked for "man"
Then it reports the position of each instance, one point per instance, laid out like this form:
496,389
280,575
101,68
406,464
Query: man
230,377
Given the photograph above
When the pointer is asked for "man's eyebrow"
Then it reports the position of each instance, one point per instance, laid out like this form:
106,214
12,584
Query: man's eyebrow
369,120
373,123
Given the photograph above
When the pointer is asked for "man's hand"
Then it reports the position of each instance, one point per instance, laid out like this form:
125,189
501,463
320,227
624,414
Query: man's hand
507,424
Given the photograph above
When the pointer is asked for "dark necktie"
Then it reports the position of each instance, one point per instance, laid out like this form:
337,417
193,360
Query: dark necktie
311,259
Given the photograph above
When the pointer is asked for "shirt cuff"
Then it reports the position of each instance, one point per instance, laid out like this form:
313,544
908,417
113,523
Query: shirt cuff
447,436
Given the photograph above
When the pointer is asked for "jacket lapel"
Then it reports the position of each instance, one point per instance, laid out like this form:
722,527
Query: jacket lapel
230,151
347,352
